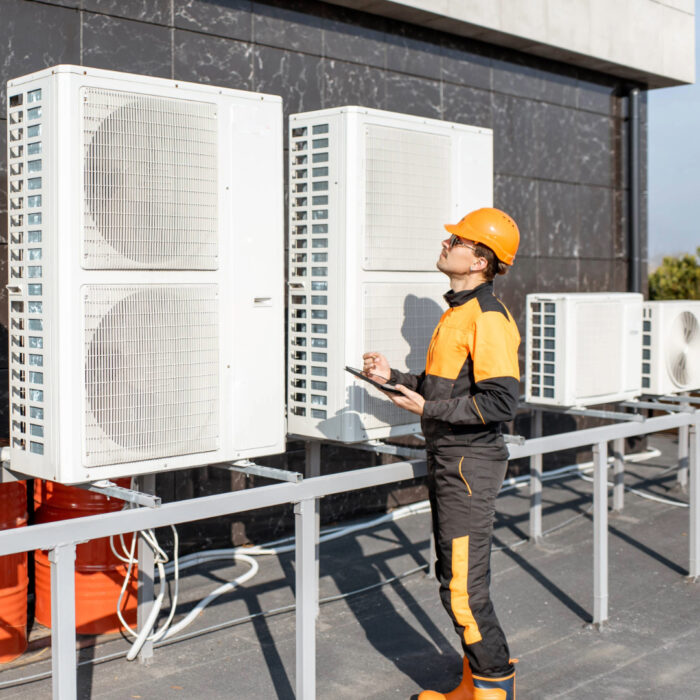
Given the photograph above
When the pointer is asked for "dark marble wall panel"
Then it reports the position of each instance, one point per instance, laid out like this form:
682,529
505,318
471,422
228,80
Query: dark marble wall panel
596,139
4,311
518,196
557,275
3,172
411,95
155,11
35,36
352,84
596,96
229,18
595,275
200,58
528,76
407,53
125,45
594,208
520,280
466,63
466,105
363,43
619,275
517,148
620,219
556,131
295,76
558,220
288,24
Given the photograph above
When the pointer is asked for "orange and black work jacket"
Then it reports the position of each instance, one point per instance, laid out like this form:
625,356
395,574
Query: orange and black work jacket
471,381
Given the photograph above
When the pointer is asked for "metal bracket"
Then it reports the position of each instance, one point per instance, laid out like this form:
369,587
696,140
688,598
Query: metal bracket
245,466
658,406
384,448
695,400
591,412
108,488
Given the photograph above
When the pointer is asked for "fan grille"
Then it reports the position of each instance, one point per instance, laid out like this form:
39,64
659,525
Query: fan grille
150,182
151,372
683,350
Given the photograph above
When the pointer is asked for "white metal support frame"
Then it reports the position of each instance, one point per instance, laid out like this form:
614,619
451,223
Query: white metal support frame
536,481
694,469
63,656
306,596
146,576
618,474
312,468
682,476
61,536
600,533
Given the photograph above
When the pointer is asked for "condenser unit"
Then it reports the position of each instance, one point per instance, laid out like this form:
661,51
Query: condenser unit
369,194
583,349
671,347
145,255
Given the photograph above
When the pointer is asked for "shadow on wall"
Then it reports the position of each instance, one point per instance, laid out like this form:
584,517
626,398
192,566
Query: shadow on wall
364,409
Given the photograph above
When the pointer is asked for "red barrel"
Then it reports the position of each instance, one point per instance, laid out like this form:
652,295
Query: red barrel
13,575
99,575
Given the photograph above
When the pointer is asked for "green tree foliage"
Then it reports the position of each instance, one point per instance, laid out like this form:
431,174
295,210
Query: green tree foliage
676,278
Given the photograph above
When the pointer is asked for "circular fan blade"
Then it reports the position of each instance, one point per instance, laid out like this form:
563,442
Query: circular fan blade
682,348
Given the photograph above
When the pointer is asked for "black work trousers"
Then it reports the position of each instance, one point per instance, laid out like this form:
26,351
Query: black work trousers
463,490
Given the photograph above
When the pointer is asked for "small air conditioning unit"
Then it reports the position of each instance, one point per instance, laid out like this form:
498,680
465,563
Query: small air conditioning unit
369,194
671,347
583,349
146,303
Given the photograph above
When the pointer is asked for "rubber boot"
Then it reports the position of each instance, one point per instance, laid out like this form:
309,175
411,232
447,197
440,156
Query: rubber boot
464,691
494,688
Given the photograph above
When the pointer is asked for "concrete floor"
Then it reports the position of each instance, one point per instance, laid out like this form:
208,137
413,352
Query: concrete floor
392,640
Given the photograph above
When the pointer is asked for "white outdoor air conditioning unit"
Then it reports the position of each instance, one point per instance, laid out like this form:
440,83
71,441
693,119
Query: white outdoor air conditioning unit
583,349
146,315
369,194
671,347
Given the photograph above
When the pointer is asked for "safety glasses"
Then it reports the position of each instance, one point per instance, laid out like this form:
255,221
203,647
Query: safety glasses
457,241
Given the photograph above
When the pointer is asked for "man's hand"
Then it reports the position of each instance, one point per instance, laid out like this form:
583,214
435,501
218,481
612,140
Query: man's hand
376,366
411,400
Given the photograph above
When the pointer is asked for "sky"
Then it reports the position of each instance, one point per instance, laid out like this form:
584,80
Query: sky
674,166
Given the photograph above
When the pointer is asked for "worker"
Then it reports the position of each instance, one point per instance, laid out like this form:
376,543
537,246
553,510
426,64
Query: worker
469,387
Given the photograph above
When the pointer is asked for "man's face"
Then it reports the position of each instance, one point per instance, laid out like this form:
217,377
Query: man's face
457,256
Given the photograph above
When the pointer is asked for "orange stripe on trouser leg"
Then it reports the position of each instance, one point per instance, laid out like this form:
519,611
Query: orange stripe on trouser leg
459,595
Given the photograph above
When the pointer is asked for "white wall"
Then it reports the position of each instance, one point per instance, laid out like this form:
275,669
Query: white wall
652,41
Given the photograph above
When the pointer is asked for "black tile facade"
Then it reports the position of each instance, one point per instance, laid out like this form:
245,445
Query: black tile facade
35,36
232,19
466,105
125,45
200,58
353,84
155,11
560,136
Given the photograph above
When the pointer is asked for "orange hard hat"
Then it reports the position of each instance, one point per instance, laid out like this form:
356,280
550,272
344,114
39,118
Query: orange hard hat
492,227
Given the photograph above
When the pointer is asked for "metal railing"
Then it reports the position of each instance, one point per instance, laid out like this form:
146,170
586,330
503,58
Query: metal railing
62,537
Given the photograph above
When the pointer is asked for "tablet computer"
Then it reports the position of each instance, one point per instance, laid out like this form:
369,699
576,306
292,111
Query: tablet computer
389,387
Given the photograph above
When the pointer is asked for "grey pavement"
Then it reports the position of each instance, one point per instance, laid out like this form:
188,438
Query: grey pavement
390,639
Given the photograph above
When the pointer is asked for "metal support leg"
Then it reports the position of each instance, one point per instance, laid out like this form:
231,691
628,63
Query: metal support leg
147,484
536,482
618,474
306,598
682,475
600,533
63,656
313,468
694,488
